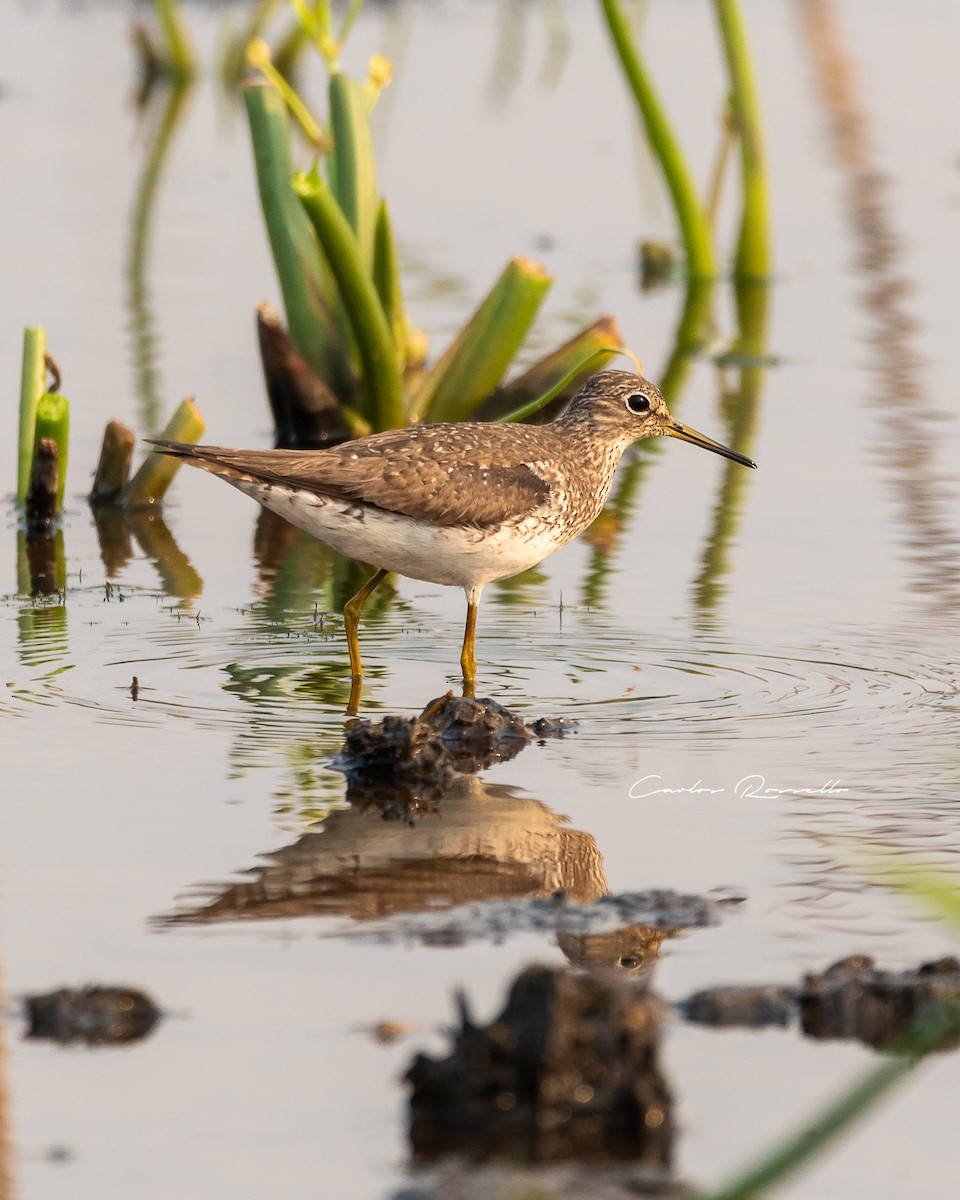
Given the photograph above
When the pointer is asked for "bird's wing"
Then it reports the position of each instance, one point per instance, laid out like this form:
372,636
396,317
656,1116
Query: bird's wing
418,472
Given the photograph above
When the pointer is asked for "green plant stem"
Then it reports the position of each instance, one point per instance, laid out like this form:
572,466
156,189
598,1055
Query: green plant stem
53,422
303,274
381,378
298,108
694,226
32,378
753,249
386,278
351,167
180,61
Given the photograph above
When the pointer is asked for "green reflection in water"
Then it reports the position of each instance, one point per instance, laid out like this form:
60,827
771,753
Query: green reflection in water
741,412
142,321
604,535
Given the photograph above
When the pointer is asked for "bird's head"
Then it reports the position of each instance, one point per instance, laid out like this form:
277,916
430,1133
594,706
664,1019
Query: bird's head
622,407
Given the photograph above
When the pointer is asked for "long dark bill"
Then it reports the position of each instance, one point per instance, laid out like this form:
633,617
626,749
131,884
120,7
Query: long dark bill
686,434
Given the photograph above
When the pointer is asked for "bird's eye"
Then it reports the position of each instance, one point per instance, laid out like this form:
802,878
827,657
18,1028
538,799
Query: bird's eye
638,403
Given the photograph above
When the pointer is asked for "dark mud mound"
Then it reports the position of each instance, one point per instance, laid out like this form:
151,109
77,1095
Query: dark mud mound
453,735
569,1070
94,1016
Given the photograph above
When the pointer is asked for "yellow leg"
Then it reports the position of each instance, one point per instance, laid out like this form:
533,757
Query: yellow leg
468,662
351,622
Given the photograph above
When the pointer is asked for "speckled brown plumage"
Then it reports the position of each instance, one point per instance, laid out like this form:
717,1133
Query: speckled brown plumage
462,504
475,476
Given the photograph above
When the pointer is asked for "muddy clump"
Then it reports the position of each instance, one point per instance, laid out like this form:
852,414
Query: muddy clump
95,1016
454,735
569,1070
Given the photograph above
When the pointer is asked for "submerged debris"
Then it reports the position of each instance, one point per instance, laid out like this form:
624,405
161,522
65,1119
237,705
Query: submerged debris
569,1070
453,735
97,1016
852,999
731,1006
613,930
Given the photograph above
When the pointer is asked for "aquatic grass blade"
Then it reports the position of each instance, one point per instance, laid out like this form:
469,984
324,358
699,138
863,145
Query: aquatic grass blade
149,485
479,356
694,226
351,167
383,390
568,358
33,375
584,368
53,422
301,269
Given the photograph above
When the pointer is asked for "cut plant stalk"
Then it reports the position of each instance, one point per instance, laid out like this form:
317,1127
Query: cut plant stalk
478,358
753,249
113,469
53,424
305,280
40,507
384,406
694,226
32,382
306,414
148,487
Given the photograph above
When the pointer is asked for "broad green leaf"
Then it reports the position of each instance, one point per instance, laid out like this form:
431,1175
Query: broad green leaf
480,354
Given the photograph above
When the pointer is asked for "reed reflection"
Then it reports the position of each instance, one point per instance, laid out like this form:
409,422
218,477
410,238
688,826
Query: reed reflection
909,429
119,528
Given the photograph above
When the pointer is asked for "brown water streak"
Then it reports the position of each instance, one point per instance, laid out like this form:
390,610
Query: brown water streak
910,423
